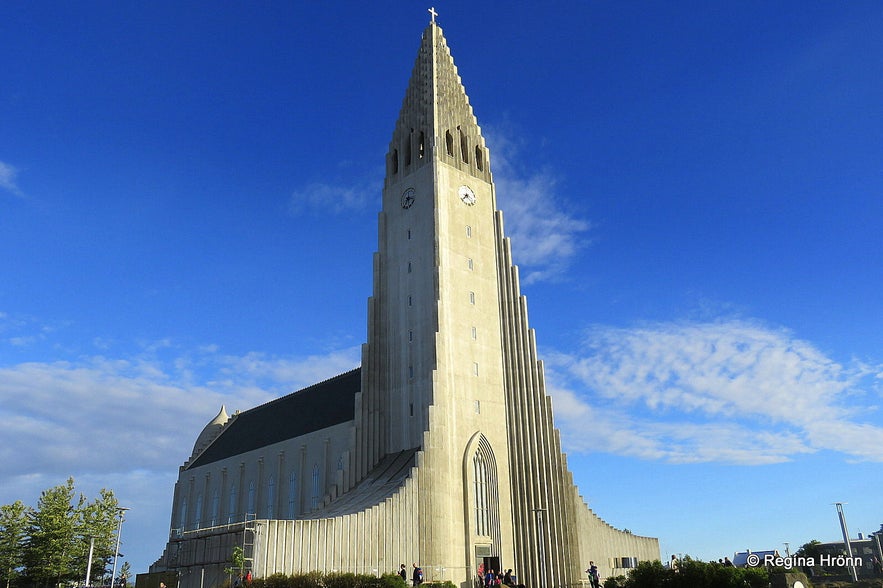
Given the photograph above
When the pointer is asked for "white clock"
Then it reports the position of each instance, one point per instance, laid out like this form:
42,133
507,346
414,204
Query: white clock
466,195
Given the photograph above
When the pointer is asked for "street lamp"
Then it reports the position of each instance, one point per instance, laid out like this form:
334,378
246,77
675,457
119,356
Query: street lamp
846,543
122,510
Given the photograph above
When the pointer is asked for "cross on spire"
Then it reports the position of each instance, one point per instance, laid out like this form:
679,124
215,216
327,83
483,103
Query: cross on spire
433,14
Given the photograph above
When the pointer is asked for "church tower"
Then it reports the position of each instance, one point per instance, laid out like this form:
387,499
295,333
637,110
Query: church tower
440,449
436,378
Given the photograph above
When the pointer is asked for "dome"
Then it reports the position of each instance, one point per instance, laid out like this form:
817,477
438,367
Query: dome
211,430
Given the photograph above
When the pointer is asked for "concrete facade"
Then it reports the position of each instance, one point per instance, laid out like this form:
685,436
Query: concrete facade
446,454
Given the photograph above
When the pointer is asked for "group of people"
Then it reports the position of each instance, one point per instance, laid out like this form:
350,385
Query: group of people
492,579
416,575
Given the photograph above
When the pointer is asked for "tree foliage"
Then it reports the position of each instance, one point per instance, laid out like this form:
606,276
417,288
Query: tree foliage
690,574
48,545
13,531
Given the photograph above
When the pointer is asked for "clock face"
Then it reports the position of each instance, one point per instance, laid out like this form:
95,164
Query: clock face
408,198
466,195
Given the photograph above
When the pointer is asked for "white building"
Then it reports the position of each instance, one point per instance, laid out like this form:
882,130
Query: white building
441,448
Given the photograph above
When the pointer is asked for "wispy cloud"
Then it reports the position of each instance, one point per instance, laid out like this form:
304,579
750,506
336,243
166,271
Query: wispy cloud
546,236
58,416
127,420
333,198
8,179
729,391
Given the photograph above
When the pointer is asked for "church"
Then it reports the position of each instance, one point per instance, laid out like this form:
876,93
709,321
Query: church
440,449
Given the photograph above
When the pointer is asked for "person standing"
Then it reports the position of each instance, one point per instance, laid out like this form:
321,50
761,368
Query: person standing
673,564
594,577
417,576
403,573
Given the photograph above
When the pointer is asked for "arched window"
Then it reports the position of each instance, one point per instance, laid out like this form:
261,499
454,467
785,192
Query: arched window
482,519
314,496
197,514
251,497
216,506
464,148
292,495
231,506
485,492
449,143
182,520
271,496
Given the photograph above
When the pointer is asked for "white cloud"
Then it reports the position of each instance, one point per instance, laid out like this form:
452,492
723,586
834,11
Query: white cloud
8,175
100,415
336,199
546,236
733,392
127,422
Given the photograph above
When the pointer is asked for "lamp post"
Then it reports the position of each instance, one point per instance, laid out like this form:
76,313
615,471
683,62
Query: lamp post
846,543
122,510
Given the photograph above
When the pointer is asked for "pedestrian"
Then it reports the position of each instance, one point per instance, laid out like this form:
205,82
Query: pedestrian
594,577
490,579
673,564
417,576
403,573
507,578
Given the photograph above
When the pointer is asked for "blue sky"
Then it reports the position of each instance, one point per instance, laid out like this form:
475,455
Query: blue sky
188,205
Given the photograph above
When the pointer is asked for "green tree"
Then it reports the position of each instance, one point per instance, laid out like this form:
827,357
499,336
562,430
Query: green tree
50,549
13,532
59,531
125,572
692,574
97,520
237,563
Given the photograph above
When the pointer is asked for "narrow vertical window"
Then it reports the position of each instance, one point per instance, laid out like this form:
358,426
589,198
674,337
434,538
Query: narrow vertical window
407,148
216,506
479,158
469,263
197,515
472,298
271,497
421,147
478,407
464,149
314,497
292,494
251,496
411,372
409,234
231,506
474,333
410,301
475,368
395,161
183,518
409,267
449,143
468,231
410,336
412,409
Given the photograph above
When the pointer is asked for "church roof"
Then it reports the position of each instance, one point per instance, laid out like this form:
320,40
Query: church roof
316,407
